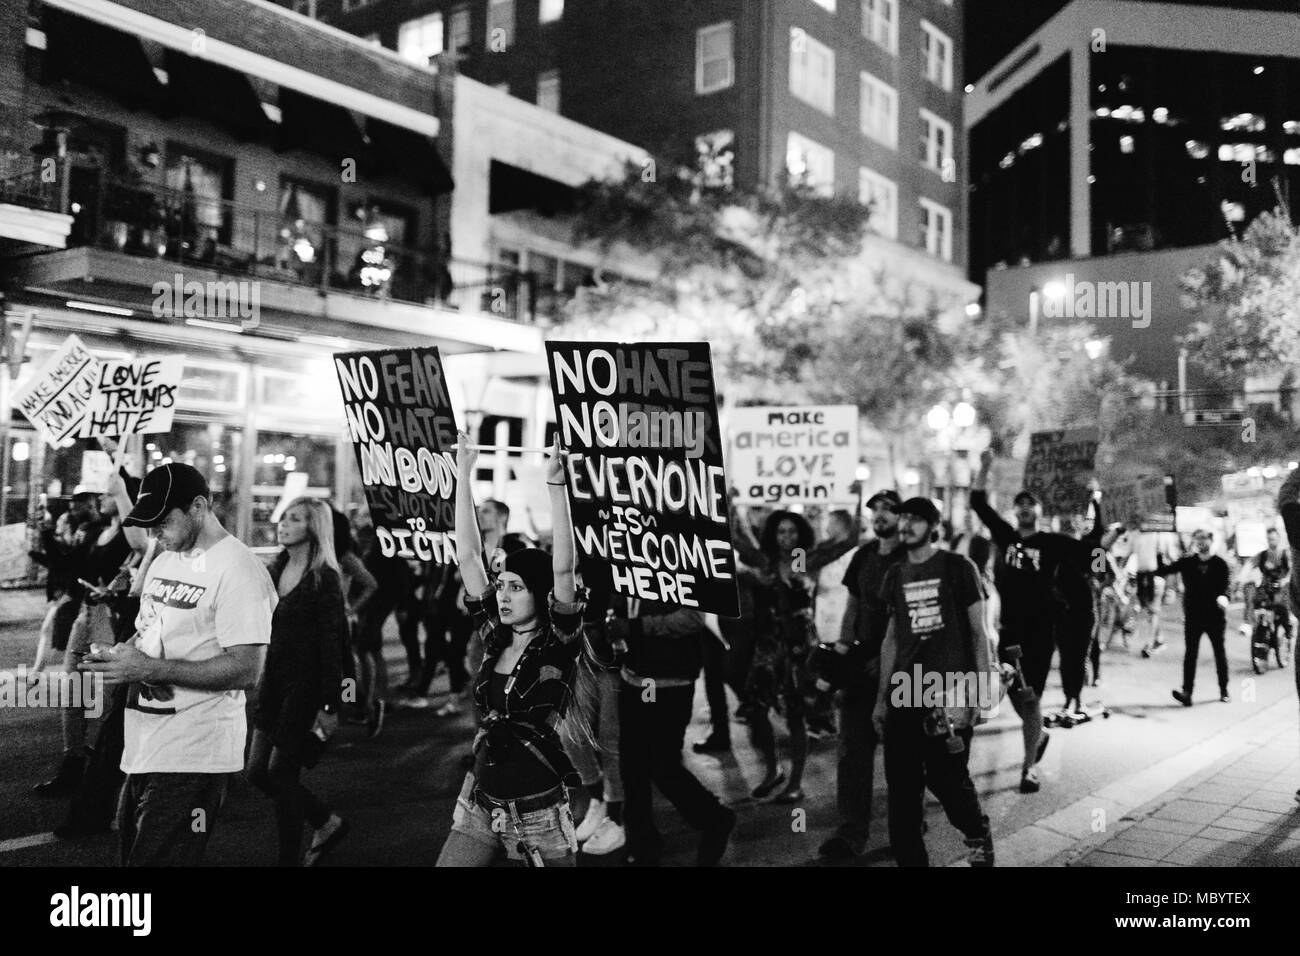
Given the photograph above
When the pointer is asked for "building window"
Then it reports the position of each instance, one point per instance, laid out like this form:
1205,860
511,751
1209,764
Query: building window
879,110
810,163
548,91
880,23
936,229
500,25
828,5
717,158
420,39
206,181
715,64
936,55
306,7
936,144
882,195
812,71
460,30
550,11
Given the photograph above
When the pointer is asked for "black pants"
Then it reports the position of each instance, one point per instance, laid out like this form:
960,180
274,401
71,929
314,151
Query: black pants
739,633
446,640
1193,628
855,771
715,687
1034,636
915,761
275,772
95,801
651,733
1073,637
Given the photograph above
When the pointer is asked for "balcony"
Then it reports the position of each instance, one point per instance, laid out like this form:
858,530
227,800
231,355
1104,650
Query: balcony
29,214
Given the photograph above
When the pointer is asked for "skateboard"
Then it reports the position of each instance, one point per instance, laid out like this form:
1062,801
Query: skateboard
1069,718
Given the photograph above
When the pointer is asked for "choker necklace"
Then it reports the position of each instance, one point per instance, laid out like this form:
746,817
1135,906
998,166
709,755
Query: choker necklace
518,633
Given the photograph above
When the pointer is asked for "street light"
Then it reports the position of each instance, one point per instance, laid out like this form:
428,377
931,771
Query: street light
937,418
963,415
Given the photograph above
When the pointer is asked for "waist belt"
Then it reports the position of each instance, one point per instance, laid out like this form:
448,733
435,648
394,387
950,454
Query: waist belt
520,805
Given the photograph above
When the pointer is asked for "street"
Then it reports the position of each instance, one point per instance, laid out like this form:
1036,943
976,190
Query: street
1098,778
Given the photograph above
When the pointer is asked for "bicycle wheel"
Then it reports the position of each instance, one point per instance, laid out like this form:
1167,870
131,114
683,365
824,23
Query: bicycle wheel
1282,652
1259,650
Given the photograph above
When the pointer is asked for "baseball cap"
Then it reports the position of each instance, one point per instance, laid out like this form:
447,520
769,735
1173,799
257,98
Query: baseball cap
886,497
1025,495
922,508
169,486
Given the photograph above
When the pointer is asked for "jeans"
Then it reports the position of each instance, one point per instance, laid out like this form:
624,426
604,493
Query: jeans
601,761
1212,627
651,733
478,836
275,772
93,804
165,819
915,761
855,771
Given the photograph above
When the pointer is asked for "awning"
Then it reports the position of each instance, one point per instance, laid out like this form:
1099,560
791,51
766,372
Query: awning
399,152
199,87
315,126
85,52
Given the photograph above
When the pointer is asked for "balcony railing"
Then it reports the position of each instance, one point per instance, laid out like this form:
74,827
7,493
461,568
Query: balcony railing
29,189
191,230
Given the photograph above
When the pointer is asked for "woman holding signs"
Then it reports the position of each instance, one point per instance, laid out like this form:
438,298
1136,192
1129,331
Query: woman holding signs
531,626
785,601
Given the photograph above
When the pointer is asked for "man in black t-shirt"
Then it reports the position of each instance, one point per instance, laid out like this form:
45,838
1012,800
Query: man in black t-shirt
862,631
1205,599
935,636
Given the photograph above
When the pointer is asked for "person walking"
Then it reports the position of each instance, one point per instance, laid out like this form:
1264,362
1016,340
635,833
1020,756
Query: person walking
1205,601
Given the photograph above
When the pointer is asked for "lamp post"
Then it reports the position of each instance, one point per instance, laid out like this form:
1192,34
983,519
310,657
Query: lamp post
950,426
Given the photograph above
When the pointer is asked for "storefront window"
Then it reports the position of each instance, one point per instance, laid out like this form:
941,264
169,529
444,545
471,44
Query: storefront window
206,386
288,465
214,450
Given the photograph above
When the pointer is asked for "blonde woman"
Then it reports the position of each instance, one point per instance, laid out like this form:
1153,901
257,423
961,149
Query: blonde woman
302,677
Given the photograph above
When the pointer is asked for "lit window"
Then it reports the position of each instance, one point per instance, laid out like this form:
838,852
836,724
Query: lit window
878,113
500,24
1127,144
936,229
810,163
936,142
420,39
882,195
460,30
880,23
812,71
715,64
828,5
936,55
1243,122
548,91
550,11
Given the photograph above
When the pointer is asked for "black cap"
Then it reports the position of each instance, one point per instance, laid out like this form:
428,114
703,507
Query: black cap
886,497
168,486
1025,495
922,508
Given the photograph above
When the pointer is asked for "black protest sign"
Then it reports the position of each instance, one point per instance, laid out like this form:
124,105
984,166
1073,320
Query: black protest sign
1059,466
646,482
1142,501
400,421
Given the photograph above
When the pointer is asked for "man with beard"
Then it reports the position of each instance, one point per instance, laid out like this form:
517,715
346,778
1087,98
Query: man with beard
862,630
935,636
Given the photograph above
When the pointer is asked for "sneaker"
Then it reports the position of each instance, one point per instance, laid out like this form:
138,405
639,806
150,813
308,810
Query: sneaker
449,709
595,816
375,721
1029,781
1183,698
609,836
712,744
767,787
981,850
412,702
1043,740
1225,698
713,841
325,839
789,795
839,848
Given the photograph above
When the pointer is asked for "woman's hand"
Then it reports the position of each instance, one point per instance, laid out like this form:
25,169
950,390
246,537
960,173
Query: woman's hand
555,473
466,453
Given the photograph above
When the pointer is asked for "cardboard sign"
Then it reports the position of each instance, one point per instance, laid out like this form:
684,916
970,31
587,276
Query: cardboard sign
646,483
794,454
58,395
1058,468
1145,500
134,397
401,424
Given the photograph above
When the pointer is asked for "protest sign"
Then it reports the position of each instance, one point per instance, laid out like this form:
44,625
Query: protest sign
134,397
58,394
1143,500
400,421
794,454
1058,468
645,478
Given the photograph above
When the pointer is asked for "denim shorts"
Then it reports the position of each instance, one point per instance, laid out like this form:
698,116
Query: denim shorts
550,830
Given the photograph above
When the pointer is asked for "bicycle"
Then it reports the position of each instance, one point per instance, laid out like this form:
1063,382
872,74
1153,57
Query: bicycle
1270,633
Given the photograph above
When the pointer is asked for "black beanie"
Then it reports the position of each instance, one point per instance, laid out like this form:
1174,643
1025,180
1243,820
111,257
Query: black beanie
534,566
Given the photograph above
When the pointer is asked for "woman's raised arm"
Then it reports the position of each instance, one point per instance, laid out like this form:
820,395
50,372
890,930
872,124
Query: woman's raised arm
469,543
563,557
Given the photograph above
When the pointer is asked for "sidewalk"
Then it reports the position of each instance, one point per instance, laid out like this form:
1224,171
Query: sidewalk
1240,810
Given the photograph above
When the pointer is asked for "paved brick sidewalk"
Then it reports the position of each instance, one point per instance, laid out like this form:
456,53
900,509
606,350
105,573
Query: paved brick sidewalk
1239,811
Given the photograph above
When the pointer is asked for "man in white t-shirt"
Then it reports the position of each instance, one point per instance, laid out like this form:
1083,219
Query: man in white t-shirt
201,636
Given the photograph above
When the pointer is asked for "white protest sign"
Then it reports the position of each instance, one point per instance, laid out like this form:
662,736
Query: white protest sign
134,397
1140,500
57,396
792,454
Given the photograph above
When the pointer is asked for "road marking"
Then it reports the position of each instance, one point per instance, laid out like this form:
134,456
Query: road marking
23,843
